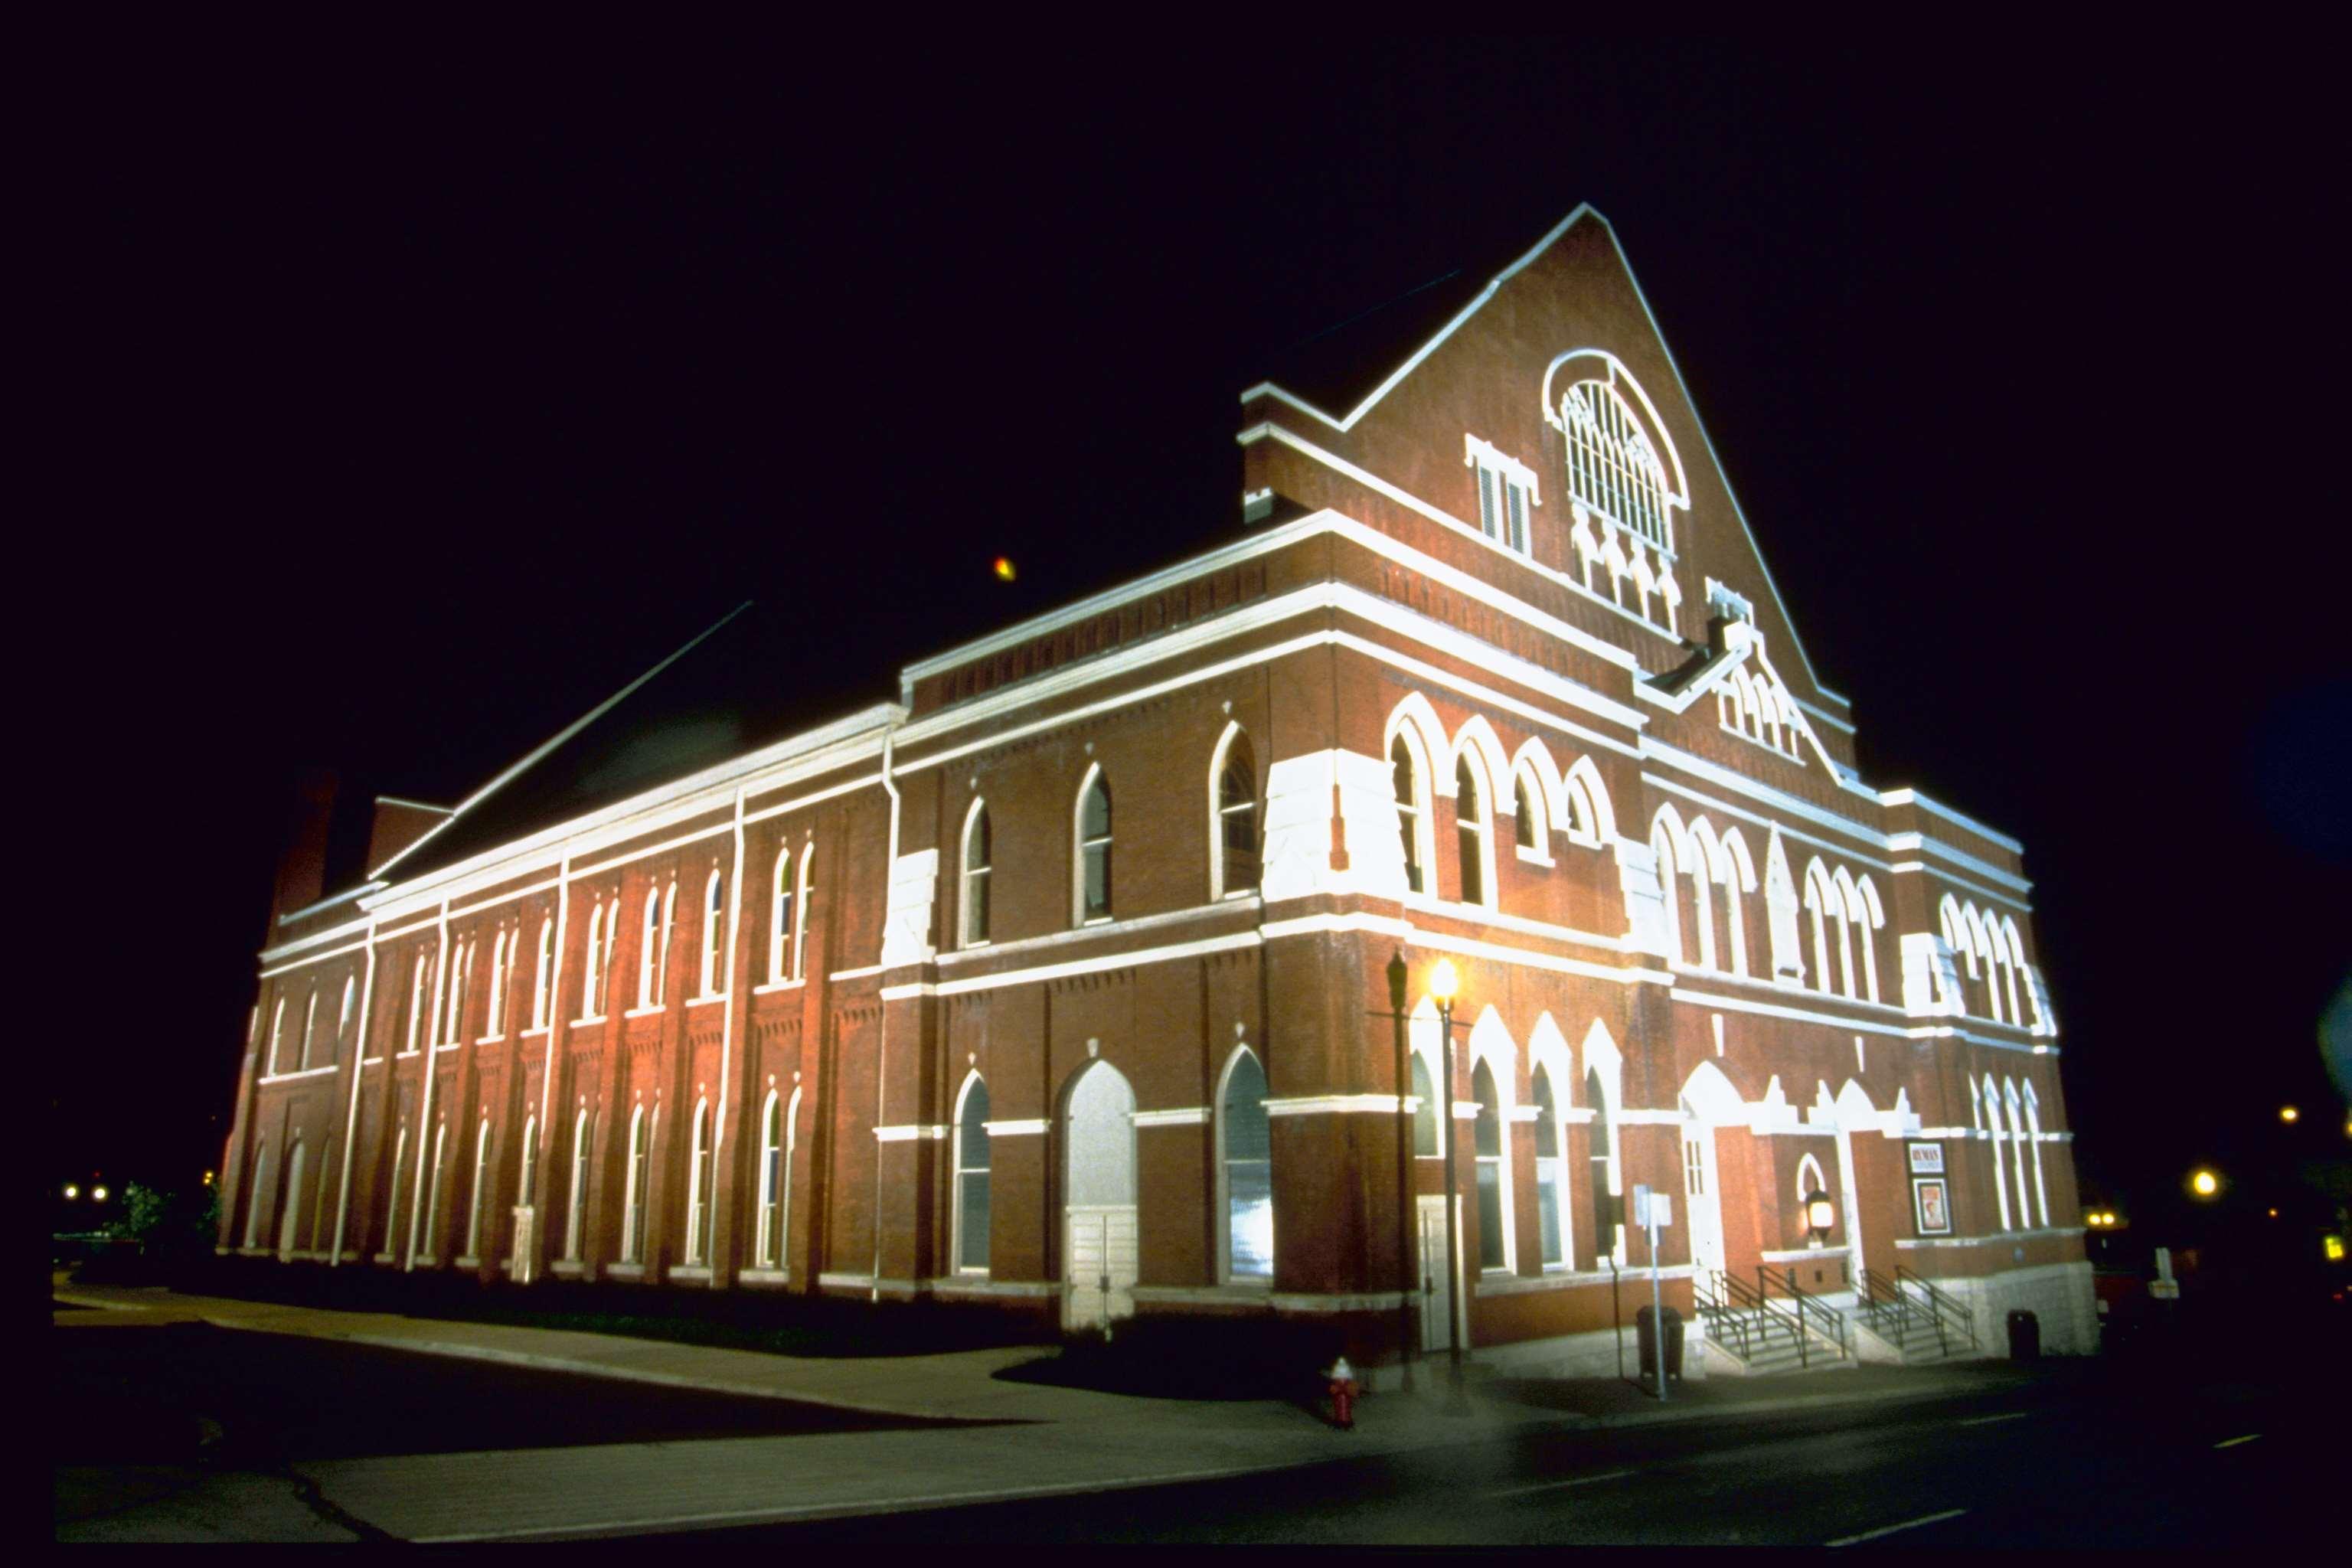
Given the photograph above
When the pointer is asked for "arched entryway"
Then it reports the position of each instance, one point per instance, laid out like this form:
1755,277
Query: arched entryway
1707,1102
1098,1217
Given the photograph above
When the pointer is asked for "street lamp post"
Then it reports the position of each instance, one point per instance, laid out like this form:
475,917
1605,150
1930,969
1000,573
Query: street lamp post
1442,983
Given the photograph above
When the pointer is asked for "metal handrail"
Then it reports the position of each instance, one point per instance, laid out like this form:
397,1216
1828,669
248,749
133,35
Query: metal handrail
1883,1300
1940,1306
1810,1314
1713,1296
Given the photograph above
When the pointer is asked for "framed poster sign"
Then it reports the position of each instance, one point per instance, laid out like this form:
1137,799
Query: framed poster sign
1927,1159
1931,1206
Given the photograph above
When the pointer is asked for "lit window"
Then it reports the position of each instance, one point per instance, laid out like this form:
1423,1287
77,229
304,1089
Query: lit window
1247,1154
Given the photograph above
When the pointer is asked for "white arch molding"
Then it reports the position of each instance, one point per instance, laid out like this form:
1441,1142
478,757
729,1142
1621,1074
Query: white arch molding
1099,1252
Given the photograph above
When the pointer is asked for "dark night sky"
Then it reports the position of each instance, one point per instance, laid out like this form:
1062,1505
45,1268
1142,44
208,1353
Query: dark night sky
436,414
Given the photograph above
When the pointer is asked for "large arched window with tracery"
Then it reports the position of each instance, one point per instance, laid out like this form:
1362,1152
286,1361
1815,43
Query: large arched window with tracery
1613,468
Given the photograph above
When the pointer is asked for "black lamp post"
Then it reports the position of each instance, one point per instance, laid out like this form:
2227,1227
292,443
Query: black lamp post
1443,984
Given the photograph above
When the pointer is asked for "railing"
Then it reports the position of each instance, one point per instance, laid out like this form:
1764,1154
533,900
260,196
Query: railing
1889,1312
1736,1311
1943,1308
1813,1318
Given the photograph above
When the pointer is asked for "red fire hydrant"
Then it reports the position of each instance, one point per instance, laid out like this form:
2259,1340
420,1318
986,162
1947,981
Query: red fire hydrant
1343,1395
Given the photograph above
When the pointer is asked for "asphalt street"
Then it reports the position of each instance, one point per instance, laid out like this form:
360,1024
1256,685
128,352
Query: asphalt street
2083,1458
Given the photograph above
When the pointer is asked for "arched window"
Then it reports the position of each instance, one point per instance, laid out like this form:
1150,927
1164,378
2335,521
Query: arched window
801,916
392,1195
1245,1155
1427,1109
649,946
700,1205
277,1034
320,1238
2034,1141
542,975
343,1016
416,1001
575,1205
775,1175
1739,876
661,958
977,853
1613,468
433,1191
309,1026
253,1210
527,1180
1524,831
1663,846
1234,831
780,915
1607,1239
591,993
1410,802
2017,1147
632,1216
290,1216
1552,1201
479,1191
460,964
1809,1181
1470,830
972,1179
1990,1094
491,1026
1819,899
714,932
1493,1239
1094,847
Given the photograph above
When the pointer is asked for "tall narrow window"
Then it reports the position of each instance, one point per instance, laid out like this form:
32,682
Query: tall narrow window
576,1205
1406,779
591,993
1991,1102
1470,831
1493,1248
1094,849
1605,1225
290,1219
320,1238
2017,1148
632,1221
460,962
343,1016
807,907
1523,815
493,1025
661,957
416,1001
976,857
392,1201
1249,1182
479,1190
770,1246
971,1181
253,1210
700,1209
527,1183
780,916
432,1191
542,975
1506,490
714,932
1427,1109
2034,1141
276,1035
649,946
1549,1180
309,1026
1236,825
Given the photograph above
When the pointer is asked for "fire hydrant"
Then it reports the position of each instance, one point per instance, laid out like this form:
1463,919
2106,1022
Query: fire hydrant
1343,1395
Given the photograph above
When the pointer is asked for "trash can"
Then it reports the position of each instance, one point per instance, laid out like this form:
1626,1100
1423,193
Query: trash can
2024,1337
1645,1326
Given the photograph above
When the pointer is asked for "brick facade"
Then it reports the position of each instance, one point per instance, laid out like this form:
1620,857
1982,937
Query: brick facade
1363,606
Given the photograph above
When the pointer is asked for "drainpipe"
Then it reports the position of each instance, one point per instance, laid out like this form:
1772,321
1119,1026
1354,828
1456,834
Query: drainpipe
882,1028
352,1122
426,1156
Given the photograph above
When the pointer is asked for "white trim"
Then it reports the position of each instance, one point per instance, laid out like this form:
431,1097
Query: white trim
313,1072
1911,796
1180,1116
1332,1104
909,1134
1031,1127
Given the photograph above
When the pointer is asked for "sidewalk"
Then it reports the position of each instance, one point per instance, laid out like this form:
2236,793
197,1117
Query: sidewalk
1080,1440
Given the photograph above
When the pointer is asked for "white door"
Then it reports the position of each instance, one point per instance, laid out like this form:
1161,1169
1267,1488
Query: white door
1701,1201
1436,1289
1098,1225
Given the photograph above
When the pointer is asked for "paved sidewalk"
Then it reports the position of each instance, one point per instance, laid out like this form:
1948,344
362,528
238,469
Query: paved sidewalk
1082,1440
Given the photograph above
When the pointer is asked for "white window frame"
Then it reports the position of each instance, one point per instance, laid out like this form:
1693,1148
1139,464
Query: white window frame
632,1220
277,1038
543,973
309,1026
527,1172
649,947
1413,816
1503,481
776,1119
1561,1195
599,961
1504,1195
572,1217
781,908
1480,822
1226,1275
959,1169
433,1190
714,927
474,1199
1218,811
801,911
972,881
1081,846
701,1211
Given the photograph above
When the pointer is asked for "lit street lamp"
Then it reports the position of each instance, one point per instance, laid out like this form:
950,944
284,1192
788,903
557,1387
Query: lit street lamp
2289,1113
1443,984
2204,1184
72,1191
1819,1216
97,1194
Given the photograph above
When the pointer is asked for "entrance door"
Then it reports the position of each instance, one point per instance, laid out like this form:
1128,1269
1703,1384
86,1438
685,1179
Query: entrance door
1436,1289
1098,1224
1701,1201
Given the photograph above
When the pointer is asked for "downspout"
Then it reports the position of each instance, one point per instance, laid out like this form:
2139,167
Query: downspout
426,1156
352,1122
882,1029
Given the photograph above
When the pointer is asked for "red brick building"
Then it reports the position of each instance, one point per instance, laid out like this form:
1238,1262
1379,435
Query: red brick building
1064,982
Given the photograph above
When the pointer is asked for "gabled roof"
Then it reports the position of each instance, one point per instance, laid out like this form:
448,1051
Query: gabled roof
1342,374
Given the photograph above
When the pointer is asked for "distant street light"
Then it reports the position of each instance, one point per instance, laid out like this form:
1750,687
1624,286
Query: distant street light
2289,1113
72,1191
2204,1184
97,1194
